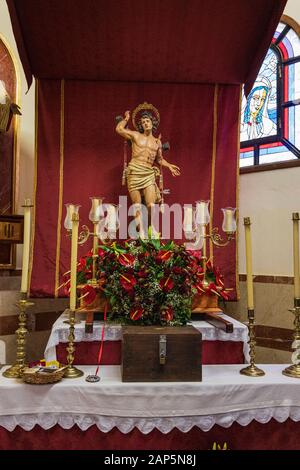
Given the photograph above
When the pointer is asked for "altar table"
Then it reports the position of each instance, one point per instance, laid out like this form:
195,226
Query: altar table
218,347
245,412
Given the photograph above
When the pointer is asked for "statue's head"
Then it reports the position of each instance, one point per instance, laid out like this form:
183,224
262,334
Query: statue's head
147,122
145,117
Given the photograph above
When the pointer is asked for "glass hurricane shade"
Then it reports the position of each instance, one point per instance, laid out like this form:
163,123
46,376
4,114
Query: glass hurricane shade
71,209
202,212
96,209
229,222
108,225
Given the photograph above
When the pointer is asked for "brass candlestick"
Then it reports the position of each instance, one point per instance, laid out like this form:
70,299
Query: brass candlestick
71,371
294,369
252,370
16,371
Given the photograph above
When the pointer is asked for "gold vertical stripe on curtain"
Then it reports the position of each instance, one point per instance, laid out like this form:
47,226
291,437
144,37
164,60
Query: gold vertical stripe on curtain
61,174
36,122
238,198
213,166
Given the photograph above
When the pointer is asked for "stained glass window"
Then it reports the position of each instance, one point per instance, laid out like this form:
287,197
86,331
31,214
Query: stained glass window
270,115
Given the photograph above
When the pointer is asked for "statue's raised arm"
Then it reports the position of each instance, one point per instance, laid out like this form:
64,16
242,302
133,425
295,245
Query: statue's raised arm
121,127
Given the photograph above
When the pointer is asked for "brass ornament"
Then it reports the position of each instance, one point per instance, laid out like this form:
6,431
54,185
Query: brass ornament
16,371
294,369
252,370
71,372
144,107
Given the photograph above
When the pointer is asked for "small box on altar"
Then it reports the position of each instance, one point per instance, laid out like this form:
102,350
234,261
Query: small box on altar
161,354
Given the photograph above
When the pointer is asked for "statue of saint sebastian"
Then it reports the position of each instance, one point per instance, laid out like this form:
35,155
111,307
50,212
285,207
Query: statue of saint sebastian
146,156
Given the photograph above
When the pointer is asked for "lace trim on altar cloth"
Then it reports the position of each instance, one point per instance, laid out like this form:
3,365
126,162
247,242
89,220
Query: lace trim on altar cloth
146,425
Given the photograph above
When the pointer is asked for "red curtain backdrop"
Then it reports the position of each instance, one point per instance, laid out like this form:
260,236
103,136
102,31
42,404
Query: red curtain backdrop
80,155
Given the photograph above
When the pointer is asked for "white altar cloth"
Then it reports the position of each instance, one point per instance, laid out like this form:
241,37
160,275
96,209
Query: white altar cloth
223,397
60,333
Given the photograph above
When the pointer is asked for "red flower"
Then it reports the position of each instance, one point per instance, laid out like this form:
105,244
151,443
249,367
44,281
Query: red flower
224,295
167,314
67,287
89,294
127,281
136,313
163,256
142,274
101,252
166,283
126,259
82,264
196,254
177,270
209,266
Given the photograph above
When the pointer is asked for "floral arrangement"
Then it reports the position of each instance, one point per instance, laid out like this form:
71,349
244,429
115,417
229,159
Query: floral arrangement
148,282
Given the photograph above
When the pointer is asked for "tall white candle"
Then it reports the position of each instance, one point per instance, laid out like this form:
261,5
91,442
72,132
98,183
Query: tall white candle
296,254
26,245
250,296
74,247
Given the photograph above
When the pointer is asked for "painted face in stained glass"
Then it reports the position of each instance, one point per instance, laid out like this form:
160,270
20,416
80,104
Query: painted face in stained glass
259,116
259,113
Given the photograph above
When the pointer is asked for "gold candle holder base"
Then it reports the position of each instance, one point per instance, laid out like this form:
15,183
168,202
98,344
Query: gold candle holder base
72,373
292,371
16,370
252,371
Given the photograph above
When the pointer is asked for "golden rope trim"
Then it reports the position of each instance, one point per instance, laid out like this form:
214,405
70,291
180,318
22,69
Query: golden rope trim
213,166
144,106
61,174
237,283
36,119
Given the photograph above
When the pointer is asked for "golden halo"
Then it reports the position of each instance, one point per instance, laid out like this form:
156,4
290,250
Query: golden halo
144,107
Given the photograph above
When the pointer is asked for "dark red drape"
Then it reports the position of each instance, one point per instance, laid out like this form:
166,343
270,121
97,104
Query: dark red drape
80,155
207,41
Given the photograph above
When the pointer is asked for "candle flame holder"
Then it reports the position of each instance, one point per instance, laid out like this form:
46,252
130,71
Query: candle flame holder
294,369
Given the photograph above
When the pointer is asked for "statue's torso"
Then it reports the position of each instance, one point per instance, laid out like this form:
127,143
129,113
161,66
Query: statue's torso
144,149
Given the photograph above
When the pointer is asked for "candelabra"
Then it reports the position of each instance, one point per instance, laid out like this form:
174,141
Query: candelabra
294,369
252,370
23,304
16,371
71,371
196,223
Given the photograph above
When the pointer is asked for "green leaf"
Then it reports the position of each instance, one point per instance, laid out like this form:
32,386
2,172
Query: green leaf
156,243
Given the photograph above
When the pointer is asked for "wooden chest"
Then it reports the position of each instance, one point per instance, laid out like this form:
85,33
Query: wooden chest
161,354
